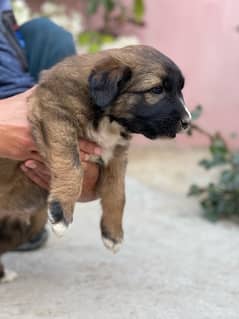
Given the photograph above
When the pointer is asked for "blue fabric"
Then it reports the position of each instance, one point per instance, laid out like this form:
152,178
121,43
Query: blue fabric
13,79
46,44
5,5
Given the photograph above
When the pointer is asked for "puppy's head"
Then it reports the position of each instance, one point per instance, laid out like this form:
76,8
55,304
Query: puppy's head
141,89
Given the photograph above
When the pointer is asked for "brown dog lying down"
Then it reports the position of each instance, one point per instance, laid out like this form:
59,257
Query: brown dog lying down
104,98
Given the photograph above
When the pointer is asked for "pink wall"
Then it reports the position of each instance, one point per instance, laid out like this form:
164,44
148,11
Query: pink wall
200,36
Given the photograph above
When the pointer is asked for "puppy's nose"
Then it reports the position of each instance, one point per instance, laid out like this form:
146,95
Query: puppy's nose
186,116
185,121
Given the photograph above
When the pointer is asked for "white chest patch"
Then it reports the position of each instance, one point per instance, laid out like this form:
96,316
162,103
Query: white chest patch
107,136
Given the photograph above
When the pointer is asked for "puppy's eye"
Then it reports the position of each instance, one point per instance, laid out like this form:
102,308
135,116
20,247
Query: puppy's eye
157,90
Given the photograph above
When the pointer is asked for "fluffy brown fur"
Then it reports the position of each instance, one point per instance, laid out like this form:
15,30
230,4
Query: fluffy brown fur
103,98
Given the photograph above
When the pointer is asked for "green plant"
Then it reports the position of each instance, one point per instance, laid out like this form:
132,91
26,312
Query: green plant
115,14
134,15
94,40
219,199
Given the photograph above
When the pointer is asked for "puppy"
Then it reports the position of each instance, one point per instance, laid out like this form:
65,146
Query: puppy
105,98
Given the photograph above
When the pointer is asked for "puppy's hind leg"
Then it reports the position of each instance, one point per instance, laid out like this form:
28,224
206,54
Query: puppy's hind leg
6,275
12,233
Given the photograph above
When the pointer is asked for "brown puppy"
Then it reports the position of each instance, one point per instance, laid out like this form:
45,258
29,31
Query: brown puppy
103,98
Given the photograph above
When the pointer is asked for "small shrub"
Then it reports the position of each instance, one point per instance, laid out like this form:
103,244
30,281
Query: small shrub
115,14
220,198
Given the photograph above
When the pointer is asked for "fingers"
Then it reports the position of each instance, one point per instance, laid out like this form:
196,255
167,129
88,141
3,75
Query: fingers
86,148
33,155
91,176
39,167
37,172
89,147
84,157
35,169
40,175
36,157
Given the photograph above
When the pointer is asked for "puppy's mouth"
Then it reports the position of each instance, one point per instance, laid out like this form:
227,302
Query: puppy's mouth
154,135
155,131
152,128
167,129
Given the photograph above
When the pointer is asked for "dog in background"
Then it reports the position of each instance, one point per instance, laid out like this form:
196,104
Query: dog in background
105,98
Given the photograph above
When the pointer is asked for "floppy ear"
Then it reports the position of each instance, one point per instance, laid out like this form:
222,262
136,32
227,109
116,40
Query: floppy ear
106,81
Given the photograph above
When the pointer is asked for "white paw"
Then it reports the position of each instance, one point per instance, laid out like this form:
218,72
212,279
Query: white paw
59,228
109,244
9,276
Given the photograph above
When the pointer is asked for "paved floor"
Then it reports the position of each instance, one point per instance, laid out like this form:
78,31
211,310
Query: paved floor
173,264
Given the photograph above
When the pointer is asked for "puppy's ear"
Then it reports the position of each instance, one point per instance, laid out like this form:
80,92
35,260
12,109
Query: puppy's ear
106,81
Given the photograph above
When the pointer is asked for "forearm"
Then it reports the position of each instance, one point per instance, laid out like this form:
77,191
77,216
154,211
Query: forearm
5,110
13,110
16,140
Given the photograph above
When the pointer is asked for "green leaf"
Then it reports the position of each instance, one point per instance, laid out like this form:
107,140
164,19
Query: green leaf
94,40
109,5
195,190
235,158
219,151
85,38
94,47
235,183
196,113
107,38
93,6
211,215
218,146
207,164
226,176
138,10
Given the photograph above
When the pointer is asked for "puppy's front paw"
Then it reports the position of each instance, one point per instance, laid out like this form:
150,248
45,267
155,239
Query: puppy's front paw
59,228
112,245
112,242
57,219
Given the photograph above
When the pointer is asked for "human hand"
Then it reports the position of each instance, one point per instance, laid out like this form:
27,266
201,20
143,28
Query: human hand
16,141
40,174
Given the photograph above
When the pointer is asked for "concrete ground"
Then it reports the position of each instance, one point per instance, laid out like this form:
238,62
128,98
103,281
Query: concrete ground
174,264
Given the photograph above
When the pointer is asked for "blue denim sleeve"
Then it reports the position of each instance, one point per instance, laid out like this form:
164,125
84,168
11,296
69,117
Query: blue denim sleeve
5,5
13,79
